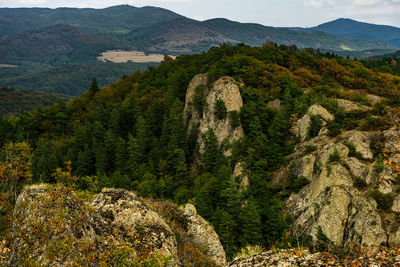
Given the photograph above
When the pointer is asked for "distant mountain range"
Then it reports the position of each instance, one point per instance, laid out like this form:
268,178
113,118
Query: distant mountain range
160,30
42,40
351,29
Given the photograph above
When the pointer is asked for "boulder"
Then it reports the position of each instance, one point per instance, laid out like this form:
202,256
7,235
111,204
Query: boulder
361,142
203,234
57,227
122,209
274,105
304,123
348,105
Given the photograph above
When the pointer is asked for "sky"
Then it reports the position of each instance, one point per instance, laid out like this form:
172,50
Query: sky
302,13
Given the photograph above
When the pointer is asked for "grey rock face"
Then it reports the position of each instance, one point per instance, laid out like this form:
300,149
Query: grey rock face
304,123
203,234
348,105
122,209
115,218
224,89
346,213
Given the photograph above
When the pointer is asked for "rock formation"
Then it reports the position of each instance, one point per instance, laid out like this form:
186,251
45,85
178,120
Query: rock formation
56,226
350,189
304,123
224,89
348,105
289,258
202,233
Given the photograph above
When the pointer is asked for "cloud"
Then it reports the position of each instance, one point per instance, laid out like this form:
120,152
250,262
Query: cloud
319,3
366,2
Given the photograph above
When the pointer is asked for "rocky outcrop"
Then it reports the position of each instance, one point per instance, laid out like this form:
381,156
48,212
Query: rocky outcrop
57,227
203,234
274,105
288,258
348,105
121,209
302,126
283,259
343,174
224,89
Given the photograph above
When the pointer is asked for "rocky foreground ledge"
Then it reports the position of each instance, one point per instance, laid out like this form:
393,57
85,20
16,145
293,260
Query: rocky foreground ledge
288,258
55,225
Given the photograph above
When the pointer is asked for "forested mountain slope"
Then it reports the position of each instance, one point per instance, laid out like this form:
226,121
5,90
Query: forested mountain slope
14,101
163,29
52,45
253,111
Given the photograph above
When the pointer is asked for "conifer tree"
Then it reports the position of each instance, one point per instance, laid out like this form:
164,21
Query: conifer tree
44,162
250,224
101,159
120,155
94,86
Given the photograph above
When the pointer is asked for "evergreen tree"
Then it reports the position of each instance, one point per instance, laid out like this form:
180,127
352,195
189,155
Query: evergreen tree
251,226
120,155
85,162
141,137
212,156
44,162
110,141
101,159
94,86
226,227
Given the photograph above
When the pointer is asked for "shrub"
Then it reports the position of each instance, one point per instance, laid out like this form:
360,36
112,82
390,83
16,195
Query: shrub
249,251
220,109
377,144
309,149
352,151
379,166
235,119
198,100
384,201
359,183
334,129
323,242
315,126
334,157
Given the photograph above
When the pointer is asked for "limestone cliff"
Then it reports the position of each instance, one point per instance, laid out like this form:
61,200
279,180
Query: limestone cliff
57,226
224,89
351,188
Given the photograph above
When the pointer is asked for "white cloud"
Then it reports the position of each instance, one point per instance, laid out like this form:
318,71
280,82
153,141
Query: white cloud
319,3
366,2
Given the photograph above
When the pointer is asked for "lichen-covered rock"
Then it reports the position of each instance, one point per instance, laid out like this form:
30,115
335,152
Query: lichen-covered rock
361,141
348,105
203,233
285,258
338,197
122,209
240,172
275,104
56,226
224,89
366,223
289,258
304,123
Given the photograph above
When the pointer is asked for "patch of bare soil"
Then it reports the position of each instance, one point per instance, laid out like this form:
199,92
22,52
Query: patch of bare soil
119,56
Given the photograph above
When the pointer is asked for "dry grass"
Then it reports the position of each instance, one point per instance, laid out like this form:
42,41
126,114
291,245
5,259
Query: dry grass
119,56
7,66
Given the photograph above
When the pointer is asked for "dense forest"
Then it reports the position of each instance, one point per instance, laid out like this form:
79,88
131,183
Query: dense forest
132,134
69,79
14,101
